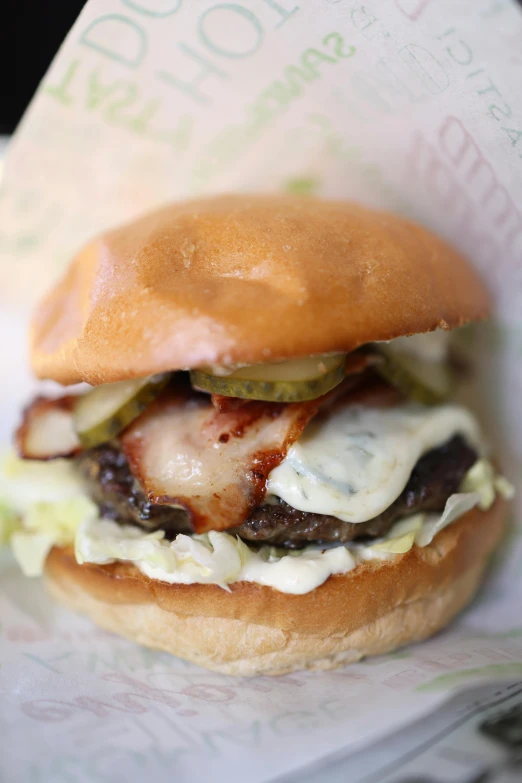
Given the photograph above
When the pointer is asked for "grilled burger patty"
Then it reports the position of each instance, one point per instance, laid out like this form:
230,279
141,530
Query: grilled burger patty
436,476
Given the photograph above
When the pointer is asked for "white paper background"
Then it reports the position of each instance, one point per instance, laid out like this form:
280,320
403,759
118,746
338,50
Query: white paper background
450,745
413,105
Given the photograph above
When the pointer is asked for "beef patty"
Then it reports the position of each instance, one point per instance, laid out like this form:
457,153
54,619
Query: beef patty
435,477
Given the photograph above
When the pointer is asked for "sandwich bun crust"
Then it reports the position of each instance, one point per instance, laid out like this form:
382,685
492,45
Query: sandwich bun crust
251,630
244,279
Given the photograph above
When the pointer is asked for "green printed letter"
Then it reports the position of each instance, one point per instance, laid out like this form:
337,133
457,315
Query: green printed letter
117,37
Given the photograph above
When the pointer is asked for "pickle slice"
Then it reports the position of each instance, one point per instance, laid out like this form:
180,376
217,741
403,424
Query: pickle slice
295,380
103,412
424,381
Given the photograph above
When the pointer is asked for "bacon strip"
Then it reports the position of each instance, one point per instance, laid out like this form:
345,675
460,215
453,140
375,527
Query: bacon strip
184,452
47,431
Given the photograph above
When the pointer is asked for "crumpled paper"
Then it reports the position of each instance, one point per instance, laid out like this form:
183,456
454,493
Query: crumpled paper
413,105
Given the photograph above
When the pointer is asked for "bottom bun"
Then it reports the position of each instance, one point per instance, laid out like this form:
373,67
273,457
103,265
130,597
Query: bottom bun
377,607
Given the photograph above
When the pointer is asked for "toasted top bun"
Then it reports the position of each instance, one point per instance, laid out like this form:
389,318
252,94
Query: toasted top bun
244,279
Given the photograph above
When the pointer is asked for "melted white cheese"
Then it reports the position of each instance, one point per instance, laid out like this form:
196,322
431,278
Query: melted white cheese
354,463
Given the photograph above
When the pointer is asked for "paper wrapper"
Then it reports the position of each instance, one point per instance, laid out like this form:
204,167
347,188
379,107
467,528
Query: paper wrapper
413,105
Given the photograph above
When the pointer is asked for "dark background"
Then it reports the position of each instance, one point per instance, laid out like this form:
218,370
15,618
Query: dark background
30,33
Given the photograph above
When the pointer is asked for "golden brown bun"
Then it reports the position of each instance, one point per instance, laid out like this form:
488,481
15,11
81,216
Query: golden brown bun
246,279
373,609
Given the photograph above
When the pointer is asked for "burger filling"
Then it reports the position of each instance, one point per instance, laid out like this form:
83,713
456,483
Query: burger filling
436,476
279,474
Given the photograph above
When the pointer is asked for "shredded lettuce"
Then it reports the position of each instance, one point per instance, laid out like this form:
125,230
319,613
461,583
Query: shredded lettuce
400,538
31,550
212,557
106,541
9,522
50,500
60,519
479,479
215,557
504,487
25,482
46,525
456,506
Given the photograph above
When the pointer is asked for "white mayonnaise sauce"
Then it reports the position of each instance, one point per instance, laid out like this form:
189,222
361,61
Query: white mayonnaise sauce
354,463
294,574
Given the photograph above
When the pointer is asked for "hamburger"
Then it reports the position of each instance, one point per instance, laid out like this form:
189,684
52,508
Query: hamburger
266,471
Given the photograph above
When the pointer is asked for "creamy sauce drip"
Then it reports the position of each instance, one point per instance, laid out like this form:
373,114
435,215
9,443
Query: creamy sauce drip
354,463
